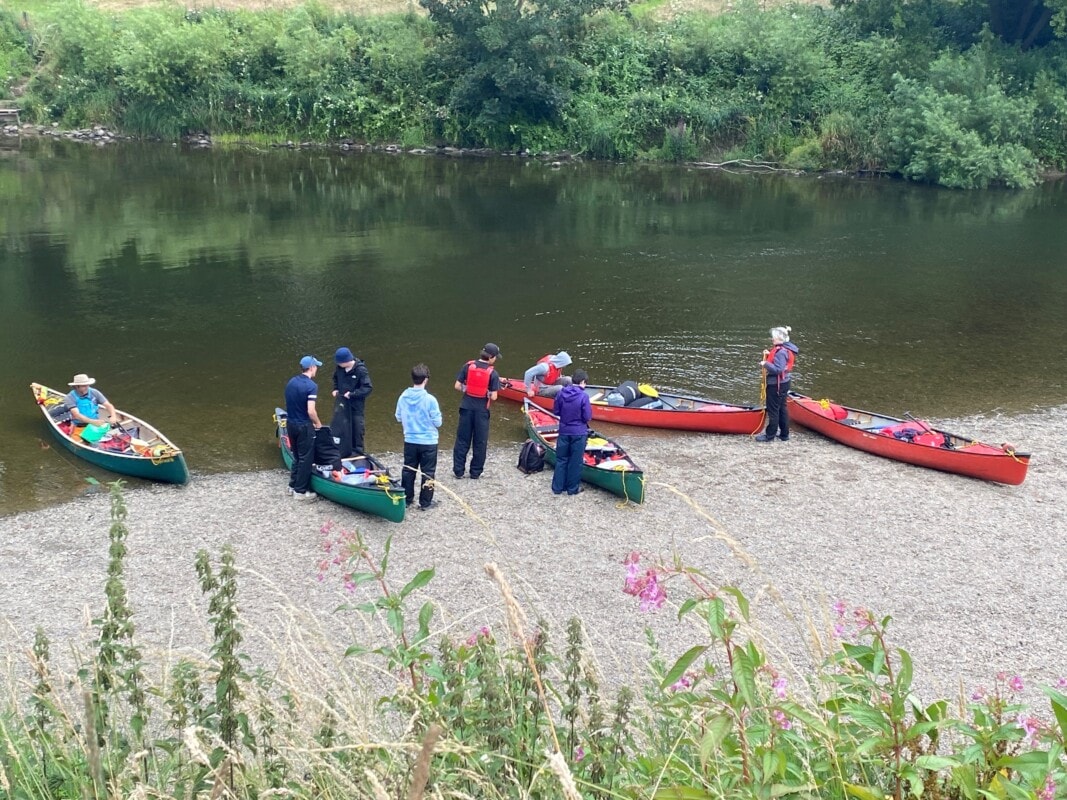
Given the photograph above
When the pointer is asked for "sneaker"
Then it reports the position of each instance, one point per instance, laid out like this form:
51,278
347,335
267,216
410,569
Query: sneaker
457,475
763,438
784,438
308,495
431,504
289,491
475,477
580,490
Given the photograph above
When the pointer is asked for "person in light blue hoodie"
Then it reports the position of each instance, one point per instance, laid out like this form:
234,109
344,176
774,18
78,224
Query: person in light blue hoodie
420,414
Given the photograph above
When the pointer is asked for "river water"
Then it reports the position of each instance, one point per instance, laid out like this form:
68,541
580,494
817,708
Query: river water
189,283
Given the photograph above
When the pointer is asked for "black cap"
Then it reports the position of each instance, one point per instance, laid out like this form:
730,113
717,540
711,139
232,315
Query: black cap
492,350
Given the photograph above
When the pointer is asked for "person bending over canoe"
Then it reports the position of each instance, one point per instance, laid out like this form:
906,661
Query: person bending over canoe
574,410
777,365
85,404
543,378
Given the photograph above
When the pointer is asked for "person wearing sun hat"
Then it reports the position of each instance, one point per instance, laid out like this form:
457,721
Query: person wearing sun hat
351,385
302,420
479,383
85,403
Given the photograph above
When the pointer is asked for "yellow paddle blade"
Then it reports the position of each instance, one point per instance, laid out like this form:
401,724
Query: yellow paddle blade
647,389
595,441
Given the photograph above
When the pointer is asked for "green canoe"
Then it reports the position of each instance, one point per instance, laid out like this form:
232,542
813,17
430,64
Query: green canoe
605,465
132,447
364,483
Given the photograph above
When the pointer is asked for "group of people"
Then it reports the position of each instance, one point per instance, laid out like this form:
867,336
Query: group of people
419,413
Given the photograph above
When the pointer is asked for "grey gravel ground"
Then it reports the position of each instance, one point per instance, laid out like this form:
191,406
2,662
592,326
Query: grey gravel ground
972,572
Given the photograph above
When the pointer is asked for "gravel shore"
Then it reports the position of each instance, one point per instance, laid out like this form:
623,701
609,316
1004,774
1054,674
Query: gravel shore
972,572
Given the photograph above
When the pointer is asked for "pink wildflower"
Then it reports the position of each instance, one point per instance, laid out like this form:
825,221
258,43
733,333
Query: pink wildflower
1015,683
978,695
482,633
781,720
1031,727
1002,676
681,684
350,585
579,753
839,630
644,586
779,687
1061,683
840,607
652,596
1048,791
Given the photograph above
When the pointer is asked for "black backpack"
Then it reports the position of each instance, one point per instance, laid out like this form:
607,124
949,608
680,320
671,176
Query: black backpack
531,457
327,453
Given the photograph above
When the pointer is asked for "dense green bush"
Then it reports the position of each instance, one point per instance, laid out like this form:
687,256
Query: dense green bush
918,89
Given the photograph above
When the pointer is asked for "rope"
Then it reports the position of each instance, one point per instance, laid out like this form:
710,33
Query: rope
762,401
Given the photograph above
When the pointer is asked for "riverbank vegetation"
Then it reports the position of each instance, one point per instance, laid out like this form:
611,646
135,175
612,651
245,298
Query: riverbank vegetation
507,709
962,94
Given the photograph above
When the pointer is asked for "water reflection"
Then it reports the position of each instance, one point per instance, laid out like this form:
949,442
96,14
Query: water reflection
190,283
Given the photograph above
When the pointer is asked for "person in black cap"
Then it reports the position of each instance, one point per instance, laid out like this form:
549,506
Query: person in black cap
479,383
301,423
351,385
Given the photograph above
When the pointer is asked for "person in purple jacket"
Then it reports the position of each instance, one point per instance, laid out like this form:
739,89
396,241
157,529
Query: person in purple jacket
574,411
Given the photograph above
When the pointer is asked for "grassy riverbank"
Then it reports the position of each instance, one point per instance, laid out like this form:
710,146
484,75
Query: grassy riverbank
925,94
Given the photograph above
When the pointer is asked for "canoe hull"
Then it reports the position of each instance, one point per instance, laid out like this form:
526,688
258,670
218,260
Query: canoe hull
628,484
170,467
387,503
715,418
972,459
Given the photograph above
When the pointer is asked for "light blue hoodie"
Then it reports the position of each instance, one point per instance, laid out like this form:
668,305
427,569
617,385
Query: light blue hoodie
420,414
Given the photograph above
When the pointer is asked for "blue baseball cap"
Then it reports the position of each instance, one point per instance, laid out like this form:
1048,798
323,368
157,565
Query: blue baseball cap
309,361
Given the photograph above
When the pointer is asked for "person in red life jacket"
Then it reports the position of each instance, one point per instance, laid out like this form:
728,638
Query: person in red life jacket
479,382
543,378
574,410
778,367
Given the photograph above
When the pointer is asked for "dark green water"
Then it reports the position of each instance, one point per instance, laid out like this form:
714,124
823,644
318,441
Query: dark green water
189,283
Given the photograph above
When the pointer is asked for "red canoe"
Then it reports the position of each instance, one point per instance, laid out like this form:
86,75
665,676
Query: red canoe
677,412
909,440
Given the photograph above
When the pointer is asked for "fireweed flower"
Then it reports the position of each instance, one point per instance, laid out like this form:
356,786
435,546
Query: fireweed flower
1015,683
780,720
644,586
1031,728
1061,683
482,633
1048,791
683,683
779,687
579,753
979,694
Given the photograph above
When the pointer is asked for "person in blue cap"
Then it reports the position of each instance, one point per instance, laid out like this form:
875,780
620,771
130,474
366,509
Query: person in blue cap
351,385
302,420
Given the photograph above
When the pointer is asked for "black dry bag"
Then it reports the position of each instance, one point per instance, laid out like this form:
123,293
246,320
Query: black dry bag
531,457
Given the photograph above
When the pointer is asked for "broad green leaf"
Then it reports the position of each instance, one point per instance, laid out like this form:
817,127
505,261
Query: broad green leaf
864,792
681,793
744,676
1015,792
810,720
904,675
718,727
742,601
425,615
715,614
420,580
357,650
1059,709
395,619
782,789
360,578
936,762
966,781
1034,760
682,664
687,606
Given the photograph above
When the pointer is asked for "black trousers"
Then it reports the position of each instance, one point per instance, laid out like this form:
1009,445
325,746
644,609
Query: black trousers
777,410
473,430
419,457
302,445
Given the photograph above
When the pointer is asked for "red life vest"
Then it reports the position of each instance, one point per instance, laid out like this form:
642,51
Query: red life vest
790,358
478,380
553,371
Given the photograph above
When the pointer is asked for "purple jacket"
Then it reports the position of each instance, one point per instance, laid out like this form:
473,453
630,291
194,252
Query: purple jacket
574,411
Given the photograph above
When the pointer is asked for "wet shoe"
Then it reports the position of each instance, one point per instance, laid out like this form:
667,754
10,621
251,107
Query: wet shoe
763,438
431,504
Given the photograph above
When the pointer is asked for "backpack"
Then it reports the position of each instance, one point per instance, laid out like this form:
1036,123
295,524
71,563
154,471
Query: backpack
326,453
531,457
